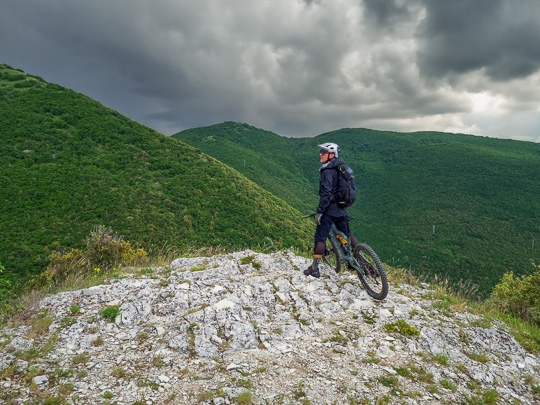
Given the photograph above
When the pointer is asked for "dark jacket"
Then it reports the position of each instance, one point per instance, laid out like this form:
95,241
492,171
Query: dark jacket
328,186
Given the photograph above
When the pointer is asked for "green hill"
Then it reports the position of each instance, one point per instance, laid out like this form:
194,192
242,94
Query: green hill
458,206
264,157
67,163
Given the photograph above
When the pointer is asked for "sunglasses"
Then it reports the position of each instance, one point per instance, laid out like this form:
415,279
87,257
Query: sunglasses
323,152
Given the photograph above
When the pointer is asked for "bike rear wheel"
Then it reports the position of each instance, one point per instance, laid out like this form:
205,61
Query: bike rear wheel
373,278
332,256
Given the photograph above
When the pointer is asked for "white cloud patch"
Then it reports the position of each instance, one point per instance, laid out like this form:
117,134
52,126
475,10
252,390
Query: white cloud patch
295,67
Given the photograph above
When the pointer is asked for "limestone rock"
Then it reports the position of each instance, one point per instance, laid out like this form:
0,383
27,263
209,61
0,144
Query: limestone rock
208,330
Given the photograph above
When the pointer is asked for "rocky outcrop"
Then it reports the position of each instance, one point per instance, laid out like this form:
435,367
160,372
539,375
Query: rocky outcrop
248,327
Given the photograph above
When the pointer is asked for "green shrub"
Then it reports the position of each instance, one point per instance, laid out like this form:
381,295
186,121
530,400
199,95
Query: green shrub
66,388
449,385
158,361
50,344
5,285
247,260
25,83
205,396
80,358
391,381
60,266
41,323
481,358
402,371
518,296
54,401
425,377
441,358
490,396
67,321
244,383
74,309
107,249
243,399
119,372
110,313
146,270
402,327
29,354
98,341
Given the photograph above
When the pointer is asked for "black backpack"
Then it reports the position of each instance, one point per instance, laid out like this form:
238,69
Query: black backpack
346,192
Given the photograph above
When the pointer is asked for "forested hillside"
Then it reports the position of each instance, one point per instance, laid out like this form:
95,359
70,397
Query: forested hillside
67,163
275,163
458,206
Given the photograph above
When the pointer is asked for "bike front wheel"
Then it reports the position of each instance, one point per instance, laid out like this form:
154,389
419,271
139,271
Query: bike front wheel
332,256
373,277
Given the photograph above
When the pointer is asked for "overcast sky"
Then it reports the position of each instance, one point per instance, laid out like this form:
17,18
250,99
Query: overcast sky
294,67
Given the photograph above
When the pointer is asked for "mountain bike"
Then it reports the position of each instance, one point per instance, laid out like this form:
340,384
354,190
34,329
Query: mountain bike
361,259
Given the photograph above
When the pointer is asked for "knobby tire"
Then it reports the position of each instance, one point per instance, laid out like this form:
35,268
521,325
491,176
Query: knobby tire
374,277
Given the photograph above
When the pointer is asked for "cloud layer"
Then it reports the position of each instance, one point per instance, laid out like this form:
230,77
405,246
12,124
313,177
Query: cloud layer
296,67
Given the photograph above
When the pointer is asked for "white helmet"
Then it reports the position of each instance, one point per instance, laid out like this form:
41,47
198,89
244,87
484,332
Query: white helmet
330,148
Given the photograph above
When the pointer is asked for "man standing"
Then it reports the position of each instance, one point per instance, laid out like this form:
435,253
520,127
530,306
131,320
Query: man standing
328,211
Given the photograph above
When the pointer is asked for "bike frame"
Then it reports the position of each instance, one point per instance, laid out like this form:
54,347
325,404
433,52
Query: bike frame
345,249
372,275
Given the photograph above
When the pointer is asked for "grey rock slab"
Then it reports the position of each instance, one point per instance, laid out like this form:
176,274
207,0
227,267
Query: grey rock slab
5,361
227,321
20,343
40,379
21,365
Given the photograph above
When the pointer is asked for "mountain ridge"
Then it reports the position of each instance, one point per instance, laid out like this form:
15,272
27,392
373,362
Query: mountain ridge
454,206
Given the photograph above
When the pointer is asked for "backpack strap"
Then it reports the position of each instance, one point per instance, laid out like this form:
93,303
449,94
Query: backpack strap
339,169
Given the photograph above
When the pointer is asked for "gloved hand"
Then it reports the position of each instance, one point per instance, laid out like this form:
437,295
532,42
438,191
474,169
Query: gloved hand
318,218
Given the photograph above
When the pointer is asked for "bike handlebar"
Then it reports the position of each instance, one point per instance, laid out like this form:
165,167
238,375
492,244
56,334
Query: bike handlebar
312,215
309,216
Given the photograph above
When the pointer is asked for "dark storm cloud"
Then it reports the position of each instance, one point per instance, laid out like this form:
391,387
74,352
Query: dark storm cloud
386,13
500,36
295,67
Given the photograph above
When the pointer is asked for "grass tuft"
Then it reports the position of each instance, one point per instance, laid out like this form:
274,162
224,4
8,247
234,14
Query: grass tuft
110,313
